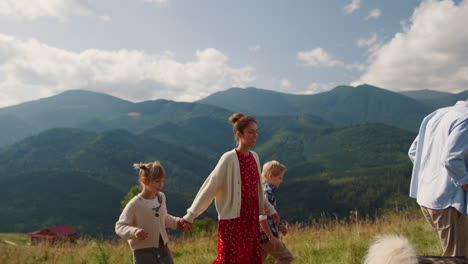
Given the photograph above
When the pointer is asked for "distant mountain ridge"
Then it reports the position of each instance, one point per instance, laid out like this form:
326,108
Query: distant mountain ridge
92,111
343,105
68,109
425,94
437,99
448,100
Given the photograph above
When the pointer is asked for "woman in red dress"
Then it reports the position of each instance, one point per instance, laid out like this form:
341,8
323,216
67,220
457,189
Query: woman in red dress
235,186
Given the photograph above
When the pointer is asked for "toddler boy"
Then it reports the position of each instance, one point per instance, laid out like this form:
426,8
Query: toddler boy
272,176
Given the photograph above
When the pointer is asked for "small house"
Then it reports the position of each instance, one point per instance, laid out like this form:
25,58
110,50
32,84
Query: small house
56,234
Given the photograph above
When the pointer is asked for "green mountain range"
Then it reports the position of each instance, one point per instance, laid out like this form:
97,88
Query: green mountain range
425,94
92,111
344,105
435,98
447,100
78,175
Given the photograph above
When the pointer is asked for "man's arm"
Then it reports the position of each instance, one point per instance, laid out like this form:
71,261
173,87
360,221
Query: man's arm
456,153
412,150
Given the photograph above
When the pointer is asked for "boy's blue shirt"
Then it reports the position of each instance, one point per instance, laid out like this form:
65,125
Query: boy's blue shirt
269,192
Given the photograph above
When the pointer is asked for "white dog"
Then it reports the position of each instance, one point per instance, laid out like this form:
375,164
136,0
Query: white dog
391,249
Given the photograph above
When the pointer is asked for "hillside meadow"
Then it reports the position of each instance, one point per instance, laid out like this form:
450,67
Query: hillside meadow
324,240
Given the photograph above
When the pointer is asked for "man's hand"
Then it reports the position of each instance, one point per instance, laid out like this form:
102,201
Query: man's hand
465,187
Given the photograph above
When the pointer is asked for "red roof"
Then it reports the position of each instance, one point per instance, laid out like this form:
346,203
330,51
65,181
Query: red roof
56,231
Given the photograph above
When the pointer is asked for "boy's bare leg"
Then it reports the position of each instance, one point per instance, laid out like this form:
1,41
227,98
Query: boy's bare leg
282,254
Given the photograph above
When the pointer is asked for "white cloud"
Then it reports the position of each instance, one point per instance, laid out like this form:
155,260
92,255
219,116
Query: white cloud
374,13
320,58
31,69
315,88
255,48
373,44
169,53
367,42
61,9
429,53
158,3
462,73
285,83
353,6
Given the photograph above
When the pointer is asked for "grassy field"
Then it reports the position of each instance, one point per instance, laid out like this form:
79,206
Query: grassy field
324,240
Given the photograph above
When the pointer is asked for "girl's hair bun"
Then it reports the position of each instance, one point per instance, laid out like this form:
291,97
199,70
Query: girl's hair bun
151,170
140,166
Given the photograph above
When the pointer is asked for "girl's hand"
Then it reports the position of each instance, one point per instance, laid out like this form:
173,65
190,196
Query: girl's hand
184,225
180,225
140,234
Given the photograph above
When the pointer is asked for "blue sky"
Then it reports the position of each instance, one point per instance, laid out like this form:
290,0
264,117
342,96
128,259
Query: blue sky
185,50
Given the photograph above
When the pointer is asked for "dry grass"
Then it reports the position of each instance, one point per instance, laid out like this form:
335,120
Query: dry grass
323,241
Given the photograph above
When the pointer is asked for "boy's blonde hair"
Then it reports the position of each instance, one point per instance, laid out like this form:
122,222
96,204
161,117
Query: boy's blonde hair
151,171
273,167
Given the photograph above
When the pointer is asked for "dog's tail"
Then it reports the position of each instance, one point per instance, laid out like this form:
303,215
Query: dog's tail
391,249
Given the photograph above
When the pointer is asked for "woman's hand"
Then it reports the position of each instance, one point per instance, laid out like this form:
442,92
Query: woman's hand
185,225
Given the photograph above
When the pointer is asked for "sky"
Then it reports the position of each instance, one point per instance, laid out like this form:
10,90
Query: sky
185,50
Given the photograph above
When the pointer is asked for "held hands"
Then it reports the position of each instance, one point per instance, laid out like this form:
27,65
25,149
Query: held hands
184,225
140,234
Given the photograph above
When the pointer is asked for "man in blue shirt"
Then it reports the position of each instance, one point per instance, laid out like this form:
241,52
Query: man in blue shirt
440,175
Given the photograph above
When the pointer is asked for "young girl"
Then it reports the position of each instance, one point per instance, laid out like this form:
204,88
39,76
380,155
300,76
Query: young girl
144,219
235,186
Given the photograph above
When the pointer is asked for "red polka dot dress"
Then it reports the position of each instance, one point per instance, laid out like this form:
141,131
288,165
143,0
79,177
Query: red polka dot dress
238,239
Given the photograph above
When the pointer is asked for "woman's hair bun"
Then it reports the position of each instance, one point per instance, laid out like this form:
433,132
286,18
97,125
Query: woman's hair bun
236,116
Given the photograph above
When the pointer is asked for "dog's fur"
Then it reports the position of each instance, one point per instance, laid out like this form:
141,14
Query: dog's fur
391,249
